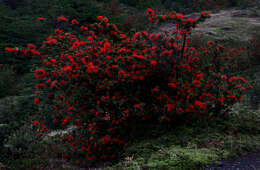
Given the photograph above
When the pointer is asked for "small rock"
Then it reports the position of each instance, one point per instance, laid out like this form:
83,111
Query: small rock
60,132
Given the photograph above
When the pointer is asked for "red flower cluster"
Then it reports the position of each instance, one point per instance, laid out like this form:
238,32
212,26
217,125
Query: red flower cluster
62,18
102,19
40,74
11,50
40,19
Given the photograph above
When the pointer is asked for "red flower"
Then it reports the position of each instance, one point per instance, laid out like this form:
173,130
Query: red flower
210,43
196,83
36,100
127,113
239,86
172,85
150,19
199,76
40,74
83,29
153,63
65,156
137,106
121,73
232,79
202,105
122,36
150,11
9,50
137,35
223,77
108,57
190,20
172,15
163,18
105,19
62,18
58,31
70,138
179,16
100,18
74,22
170,107
139,56
31,46
40,19
35,122
242,79
203,13
154,89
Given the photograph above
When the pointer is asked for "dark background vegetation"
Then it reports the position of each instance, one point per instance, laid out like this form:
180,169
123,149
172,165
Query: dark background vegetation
19,25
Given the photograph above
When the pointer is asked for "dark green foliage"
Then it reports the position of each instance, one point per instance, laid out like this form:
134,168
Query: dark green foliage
8,81
143,4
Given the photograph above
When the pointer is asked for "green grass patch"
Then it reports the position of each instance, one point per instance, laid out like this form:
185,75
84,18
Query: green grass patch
194,146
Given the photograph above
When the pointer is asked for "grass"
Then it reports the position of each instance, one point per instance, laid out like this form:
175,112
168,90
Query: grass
194,146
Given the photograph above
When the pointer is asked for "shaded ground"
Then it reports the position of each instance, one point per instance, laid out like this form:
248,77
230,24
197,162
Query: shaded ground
244,162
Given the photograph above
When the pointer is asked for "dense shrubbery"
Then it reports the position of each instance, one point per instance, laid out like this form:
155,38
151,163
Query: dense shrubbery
104,82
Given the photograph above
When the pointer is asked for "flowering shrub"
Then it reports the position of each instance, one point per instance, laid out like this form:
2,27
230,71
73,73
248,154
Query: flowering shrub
103,81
